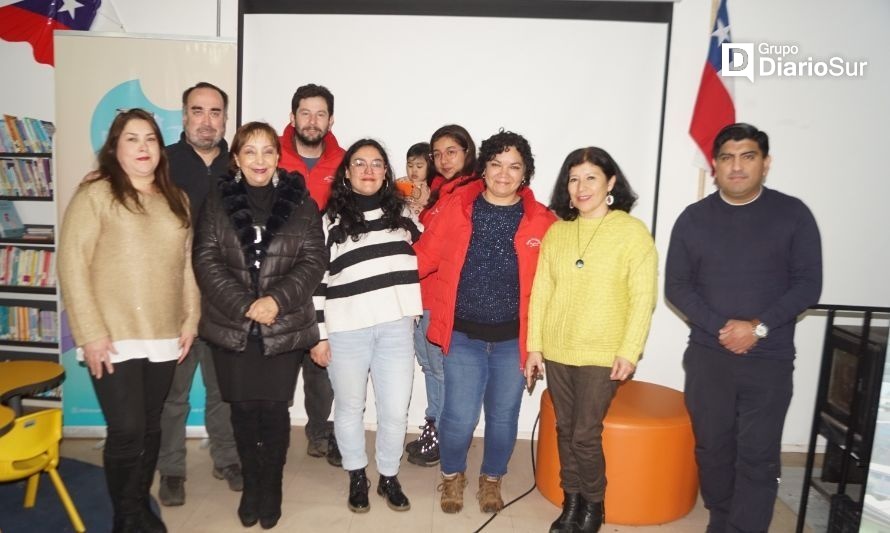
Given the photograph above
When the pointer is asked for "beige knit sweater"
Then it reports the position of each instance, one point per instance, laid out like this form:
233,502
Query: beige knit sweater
125,275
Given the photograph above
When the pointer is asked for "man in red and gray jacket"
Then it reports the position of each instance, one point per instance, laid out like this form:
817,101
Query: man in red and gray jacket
309,147
307,144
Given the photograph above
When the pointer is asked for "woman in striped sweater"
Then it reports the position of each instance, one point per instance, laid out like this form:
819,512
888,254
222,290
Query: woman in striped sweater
367,305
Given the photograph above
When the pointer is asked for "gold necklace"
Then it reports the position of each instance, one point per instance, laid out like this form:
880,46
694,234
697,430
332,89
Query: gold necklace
580,262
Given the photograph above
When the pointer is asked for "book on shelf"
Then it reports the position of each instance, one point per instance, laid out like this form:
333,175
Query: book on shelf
10,222
26,135
38,234
15,137
26,177
27,267
28,324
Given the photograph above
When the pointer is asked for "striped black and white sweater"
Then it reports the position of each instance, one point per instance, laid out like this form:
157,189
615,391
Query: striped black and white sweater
370,281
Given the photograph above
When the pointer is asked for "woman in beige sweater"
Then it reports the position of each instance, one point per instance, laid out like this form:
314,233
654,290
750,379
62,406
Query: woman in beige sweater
132,302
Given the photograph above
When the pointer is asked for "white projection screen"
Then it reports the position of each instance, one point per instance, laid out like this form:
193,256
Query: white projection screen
564,74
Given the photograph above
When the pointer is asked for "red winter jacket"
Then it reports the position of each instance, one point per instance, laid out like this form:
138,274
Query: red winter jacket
442,250
429,212
320,178
447,187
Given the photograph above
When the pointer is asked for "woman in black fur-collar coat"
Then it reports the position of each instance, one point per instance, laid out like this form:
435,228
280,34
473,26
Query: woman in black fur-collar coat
259,255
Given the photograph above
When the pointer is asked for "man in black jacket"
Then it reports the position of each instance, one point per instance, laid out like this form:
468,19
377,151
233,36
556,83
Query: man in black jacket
196,161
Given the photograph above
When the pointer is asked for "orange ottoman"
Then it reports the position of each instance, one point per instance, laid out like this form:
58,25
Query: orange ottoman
650,455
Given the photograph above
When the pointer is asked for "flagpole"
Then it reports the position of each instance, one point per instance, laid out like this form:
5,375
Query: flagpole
715,4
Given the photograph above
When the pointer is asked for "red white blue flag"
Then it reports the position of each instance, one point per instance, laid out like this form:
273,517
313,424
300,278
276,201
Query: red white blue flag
713,106
33,21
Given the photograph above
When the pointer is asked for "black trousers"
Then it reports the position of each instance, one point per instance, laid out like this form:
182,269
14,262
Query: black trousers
318,398
738,406
132,399
581,397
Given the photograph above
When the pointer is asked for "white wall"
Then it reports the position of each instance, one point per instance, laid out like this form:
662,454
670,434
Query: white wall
825,145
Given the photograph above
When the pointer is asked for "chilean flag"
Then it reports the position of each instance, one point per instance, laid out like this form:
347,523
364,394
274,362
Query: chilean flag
34,21
713,106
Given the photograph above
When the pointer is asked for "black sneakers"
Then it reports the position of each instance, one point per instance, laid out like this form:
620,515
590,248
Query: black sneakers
425,450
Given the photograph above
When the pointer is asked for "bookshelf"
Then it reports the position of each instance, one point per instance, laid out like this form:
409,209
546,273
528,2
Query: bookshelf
29,321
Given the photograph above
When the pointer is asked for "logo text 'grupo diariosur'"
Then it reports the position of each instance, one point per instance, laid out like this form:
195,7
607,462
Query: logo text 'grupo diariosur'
783,60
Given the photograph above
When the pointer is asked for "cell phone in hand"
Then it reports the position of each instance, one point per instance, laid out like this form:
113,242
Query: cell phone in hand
530,384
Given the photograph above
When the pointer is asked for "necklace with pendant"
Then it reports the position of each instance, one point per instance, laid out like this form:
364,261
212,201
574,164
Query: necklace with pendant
580,262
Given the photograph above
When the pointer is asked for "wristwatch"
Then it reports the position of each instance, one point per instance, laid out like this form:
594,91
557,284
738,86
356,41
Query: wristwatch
760,329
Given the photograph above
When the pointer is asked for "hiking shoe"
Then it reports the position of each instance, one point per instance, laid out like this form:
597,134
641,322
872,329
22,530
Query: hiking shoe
428,428
172,491
489,494
333,455
232,475
452,489
317,447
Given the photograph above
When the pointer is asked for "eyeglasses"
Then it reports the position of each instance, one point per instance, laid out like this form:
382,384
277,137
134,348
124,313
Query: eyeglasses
376,165
450,153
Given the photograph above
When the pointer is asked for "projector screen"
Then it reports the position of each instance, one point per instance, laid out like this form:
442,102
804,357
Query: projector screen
563,74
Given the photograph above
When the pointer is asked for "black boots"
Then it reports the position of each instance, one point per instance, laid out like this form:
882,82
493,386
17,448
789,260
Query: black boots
388,487
151,523
275,436
391,490
246,441
123,475
590,516
566,521
262,435
273,454
358,491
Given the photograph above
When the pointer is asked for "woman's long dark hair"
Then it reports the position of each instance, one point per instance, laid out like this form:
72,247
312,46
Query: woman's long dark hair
343,202
560,201
121,187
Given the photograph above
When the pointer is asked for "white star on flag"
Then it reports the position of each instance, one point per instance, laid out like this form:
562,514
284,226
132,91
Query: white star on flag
721,33
70,6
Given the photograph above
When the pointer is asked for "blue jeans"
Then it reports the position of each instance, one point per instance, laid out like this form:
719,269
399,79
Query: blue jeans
386,352
476,373
432,362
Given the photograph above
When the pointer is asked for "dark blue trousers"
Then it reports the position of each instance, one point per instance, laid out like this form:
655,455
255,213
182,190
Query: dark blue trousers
738,405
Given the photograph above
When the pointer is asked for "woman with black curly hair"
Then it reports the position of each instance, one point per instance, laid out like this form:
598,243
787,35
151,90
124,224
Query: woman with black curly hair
367,305
483,247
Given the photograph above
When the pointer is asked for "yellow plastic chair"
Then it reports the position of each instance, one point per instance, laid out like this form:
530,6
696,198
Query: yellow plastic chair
32,447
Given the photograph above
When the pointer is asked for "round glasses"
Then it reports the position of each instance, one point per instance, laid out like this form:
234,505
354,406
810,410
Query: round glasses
376,165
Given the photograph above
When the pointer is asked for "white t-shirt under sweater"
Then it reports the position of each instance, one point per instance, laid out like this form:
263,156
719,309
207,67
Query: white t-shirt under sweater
370,281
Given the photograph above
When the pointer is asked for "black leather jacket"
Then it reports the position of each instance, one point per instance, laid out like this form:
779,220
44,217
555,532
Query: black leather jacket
294,259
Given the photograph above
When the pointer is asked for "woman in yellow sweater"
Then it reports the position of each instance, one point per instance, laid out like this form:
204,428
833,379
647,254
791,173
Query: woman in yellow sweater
132,302
591,305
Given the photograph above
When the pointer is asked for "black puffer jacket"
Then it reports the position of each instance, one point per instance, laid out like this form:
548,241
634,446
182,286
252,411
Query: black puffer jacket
294,258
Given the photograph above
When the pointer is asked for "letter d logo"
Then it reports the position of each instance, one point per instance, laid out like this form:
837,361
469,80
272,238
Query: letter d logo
736,60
